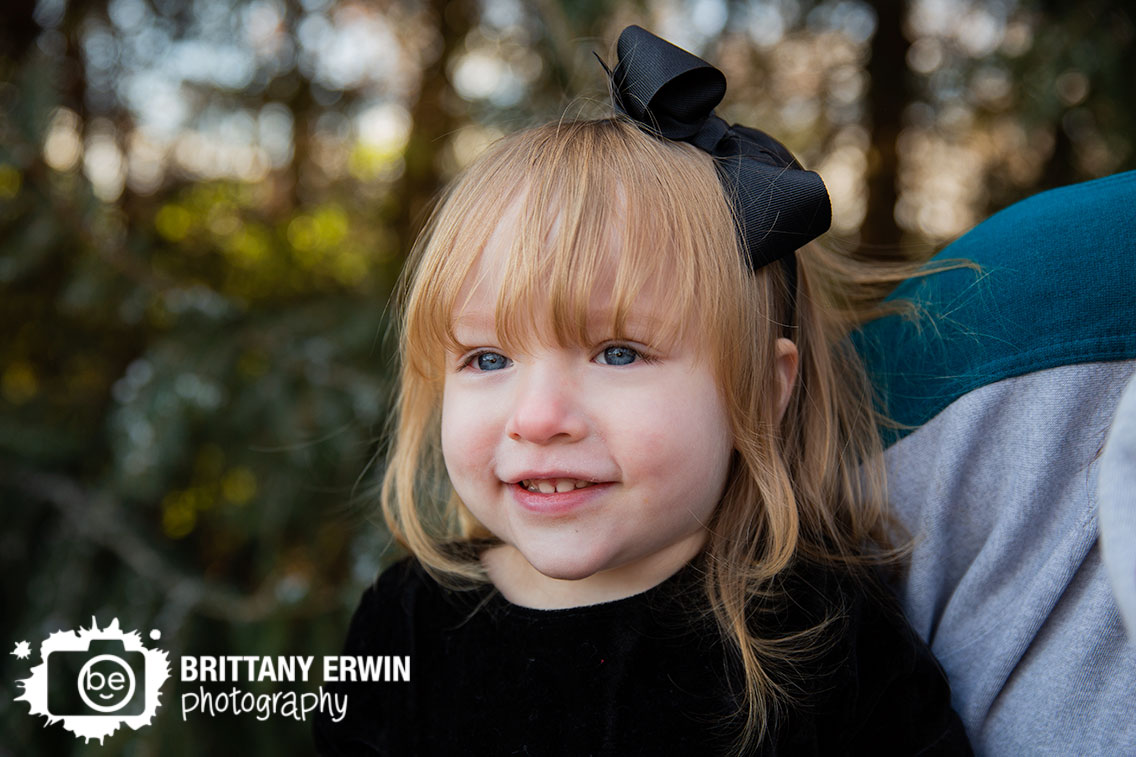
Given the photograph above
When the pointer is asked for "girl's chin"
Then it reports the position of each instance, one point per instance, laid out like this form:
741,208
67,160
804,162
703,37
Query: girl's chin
567,567
547,578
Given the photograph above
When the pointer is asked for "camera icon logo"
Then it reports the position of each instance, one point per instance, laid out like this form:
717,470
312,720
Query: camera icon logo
100,680
95,680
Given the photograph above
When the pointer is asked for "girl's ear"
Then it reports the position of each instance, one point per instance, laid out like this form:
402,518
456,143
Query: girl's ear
787,359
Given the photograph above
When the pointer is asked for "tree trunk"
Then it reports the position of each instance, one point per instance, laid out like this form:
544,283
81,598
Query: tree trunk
432,121
888,93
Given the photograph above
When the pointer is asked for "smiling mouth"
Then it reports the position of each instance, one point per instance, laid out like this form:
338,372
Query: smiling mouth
554,485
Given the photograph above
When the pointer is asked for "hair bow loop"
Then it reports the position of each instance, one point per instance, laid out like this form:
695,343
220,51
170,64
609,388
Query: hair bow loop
663,86
778,206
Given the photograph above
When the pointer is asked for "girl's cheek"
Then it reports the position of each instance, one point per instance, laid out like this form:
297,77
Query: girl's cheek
452,433
467,429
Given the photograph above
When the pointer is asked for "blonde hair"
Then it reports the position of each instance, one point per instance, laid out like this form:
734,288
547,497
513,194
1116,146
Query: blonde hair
807,484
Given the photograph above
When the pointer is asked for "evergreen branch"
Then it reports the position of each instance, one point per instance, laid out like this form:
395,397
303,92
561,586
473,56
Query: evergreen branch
101,521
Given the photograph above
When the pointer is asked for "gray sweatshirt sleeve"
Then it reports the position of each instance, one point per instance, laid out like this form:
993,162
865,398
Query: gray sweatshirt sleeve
1117,518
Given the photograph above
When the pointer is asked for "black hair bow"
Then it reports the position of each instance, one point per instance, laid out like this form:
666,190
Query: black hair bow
778,205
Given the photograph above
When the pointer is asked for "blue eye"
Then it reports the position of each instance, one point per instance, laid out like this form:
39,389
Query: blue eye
490,361
619,354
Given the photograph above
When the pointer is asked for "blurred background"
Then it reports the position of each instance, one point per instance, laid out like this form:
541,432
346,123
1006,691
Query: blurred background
204,206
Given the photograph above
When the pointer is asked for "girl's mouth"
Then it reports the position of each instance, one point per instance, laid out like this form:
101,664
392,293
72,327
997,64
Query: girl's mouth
558,497
554,485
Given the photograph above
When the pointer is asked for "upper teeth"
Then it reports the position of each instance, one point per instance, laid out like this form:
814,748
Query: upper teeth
550,485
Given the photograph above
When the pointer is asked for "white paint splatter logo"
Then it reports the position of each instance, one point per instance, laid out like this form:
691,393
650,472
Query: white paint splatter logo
95,680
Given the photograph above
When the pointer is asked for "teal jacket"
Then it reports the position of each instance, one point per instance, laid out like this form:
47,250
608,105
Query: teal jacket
1004,385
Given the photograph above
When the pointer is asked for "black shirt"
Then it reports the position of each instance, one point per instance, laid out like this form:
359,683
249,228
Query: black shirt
649,674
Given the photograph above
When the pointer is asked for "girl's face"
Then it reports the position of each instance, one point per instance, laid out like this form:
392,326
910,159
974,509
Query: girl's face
598,467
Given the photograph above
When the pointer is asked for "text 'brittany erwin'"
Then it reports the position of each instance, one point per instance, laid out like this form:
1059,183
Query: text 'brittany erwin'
234,668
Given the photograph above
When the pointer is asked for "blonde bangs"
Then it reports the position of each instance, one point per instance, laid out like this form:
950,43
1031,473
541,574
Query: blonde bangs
594,209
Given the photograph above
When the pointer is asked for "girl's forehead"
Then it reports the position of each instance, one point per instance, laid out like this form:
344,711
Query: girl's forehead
547,268
494,284
479,310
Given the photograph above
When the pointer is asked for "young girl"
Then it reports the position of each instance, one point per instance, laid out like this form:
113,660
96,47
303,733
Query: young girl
635,460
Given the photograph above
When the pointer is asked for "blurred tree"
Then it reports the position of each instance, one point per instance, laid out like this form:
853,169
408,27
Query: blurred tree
889,92
194,367
433,116
1077,79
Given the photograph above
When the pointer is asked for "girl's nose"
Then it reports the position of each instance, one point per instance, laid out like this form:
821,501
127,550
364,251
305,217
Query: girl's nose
546,408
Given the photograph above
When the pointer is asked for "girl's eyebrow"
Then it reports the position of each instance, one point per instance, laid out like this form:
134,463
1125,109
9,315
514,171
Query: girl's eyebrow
475,319
640,318
471,329
637,322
